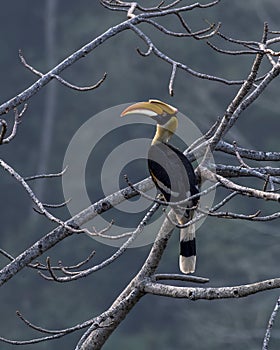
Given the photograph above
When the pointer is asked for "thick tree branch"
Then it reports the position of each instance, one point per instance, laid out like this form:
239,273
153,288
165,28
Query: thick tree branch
60,233
81,274
69,61
247,153
130,296
247,191
192,293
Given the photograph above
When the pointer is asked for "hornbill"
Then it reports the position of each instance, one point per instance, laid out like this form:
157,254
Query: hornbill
172,174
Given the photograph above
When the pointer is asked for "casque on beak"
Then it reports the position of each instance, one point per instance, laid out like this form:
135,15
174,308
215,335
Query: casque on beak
154,109
162,113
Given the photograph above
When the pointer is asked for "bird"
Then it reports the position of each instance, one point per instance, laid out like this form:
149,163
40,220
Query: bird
172,173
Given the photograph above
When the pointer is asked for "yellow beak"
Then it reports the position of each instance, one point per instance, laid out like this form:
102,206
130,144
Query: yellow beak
152,108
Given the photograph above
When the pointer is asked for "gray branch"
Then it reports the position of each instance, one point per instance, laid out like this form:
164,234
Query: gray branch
197,293
270,325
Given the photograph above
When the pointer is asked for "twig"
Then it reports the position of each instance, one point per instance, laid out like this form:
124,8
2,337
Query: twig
184,67
6,254
54,334
171,81
65,269
269,180
270,325
239,103
132,8
101,233
237,41
156,10
224,201
36,328
198,35
34,199
204,137
241,161
17,121
229,215
3,130
60,205
148,52
234,53
61,232
165,203
108,261
45,176
26,65
247,191
58,78
79,88
178,277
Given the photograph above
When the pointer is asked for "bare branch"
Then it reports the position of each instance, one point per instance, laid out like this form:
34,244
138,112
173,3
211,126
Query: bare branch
69,61
61,267
158,10
234,53
202,139
241,161
243,190
165,203
180,65
61,232
198,35
108,261
171,81
240,103
36,328
132,8
148,52
230,215
177,277
79,88
26,65
237,41
61,80
270,325
54,334
212,293
45,176
247,153
224,201
3,130
17,121
32,196
237,171
67,269
6,254
146,281
59,205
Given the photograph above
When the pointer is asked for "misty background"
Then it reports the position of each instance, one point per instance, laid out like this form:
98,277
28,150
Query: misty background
229,252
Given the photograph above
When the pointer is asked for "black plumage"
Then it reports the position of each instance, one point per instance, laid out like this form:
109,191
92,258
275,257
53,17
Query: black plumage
172,173
174,176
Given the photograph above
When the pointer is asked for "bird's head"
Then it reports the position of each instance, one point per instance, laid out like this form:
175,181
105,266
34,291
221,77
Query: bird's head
162,113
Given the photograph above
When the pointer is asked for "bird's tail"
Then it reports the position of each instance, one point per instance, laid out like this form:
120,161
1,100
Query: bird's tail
187,259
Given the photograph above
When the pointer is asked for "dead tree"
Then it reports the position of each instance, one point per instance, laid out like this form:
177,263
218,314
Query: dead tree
222,176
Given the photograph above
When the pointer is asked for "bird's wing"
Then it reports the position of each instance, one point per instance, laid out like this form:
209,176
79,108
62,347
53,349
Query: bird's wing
172,172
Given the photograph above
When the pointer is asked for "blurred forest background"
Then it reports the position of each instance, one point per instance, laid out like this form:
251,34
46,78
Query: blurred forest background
229,252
